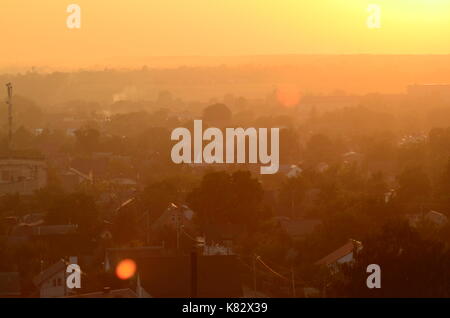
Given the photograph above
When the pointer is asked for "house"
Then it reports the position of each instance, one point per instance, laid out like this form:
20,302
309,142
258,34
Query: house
433,217
322,167
23,175
24,224
9,285
290,170
428,91
52,281
389,195
33,219
343,254
55,230
124,182
218,276
294,171
60,238
95,168
174,216
72,178
50,234
220,238
299,228
352,157
436,218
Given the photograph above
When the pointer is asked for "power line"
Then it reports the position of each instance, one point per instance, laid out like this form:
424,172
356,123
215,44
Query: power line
258,258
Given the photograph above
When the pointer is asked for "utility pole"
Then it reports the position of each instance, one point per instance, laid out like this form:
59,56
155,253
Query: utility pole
176,215
254,275
194,272
148,227
293,282
178,229
9,102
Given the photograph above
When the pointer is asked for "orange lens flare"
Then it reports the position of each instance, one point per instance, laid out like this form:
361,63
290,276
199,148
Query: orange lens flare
288,95
126,269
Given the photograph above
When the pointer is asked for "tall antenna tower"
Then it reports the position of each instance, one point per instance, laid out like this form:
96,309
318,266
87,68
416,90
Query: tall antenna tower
9,102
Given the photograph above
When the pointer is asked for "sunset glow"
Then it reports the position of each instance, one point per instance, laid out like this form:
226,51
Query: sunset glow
126,32
251,150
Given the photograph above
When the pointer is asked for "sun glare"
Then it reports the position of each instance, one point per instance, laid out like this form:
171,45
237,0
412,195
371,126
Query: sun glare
126,269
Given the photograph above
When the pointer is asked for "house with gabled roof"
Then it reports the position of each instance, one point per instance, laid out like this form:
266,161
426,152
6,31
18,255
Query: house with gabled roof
51,282
344,254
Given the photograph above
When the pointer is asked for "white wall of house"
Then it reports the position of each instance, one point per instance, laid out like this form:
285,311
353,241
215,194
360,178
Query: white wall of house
55,286
347,258
217,250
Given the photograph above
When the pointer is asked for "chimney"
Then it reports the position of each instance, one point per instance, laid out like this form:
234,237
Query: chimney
194,273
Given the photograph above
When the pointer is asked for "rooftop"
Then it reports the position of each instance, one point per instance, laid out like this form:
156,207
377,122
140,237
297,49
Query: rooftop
342,251
218,276
107,293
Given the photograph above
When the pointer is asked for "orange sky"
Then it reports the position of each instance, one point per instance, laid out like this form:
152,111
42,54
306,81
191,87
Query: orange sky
35,32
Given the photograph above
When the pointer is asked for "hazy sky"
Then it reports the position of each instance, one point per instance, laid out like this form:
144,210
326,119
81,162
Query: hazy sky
126,30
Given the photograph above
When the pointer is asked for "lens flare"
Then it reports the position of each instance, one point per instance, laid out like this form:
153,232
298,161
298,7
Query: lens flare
126,269
288,95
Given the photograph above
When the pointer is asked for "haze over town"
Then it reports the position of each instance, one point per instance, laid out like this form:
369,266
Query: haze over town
360,138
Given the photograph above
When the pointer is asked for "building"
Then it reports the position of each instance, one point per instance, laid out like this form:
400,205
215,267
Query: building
9,285
52,281
431,217
72,179
220,238
174,216
344,254
22,175
440,91
218,276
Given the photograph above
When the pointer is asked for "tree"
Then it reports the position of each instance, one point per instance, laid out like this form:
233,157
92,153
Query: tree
74,208
410,266
87,139
292,193
157,197
319,148
217,115
225,198
414,185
